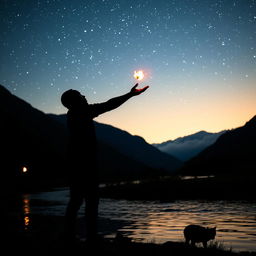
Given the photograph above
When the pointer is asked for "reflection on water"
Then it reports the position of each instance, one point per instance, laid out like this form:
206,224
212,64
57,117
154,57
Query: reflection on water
160,222
26,212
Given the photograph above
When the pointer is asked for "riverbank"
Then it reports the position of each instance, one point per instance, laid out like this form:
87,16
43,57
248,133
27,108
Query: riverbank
44,237
178,188
221,187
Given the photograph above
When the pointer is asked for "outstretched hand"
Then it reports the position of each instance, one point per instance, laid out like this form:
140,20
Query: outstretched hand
135,91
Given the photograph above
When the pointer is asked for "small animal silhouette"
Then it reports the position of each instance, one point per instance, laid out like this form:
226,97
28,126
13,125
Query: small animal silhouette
199,234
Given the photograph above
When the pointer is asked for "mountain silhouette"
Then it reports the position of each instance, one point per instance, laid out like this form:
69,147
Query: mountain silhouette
38,141
134,147
28,139
184,148
232,153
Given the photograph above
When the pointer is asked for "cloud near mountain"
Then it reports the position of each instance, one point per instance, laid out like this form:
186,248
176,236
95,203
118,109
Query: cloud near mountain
185,148
232,153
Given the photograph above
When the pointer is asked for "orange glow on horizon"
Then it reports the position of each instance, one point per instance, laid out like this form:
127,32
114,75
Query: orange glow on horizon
159,116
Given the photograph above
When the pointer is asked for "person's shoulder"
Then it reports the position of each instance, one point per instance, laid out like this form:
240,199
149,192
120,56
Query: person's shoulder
72,113
69,113
94,109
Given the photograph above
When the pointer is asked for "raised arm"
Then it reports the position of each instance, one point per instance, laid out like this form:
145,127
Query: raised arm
118,101
113,103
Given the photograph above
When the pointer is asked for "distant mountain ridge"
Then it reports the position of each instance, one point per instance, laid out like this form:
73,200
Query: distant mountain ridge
233,153
38,141
184,148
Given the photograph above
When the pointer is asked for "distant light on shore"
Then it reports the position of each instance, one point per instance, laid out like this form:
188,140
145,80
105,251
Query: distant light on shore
24,169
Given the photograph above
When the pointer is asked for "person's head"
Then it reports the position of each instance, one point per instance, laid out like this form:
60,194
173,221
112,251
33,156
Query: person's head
72,99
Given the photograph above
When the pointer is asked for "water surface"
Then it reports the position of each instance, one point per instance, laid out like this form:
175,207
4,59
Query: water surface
153,221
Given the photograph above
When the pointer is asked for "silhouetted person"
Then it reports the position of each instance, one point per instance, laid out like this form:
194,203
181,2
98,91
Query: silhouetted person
82,156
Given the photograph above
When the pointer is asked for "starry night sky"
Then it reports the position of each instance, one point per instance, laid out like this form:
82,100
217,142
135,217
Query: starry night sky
199,58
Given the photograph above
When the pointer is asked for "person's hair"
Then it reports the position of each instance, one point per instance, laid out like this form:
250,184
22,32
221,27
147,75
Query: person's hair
69,98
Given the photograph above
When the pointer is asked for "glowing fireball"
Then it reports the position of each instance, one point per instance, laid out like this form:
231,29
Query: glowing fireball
139,75
24,169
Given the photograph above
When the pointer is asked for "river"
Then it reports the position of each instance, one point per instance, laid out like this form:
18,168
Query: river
156,221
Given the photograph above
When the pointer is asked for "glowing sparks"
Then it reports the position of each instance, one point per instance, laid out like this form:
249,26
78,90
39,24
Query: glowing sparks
139,75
